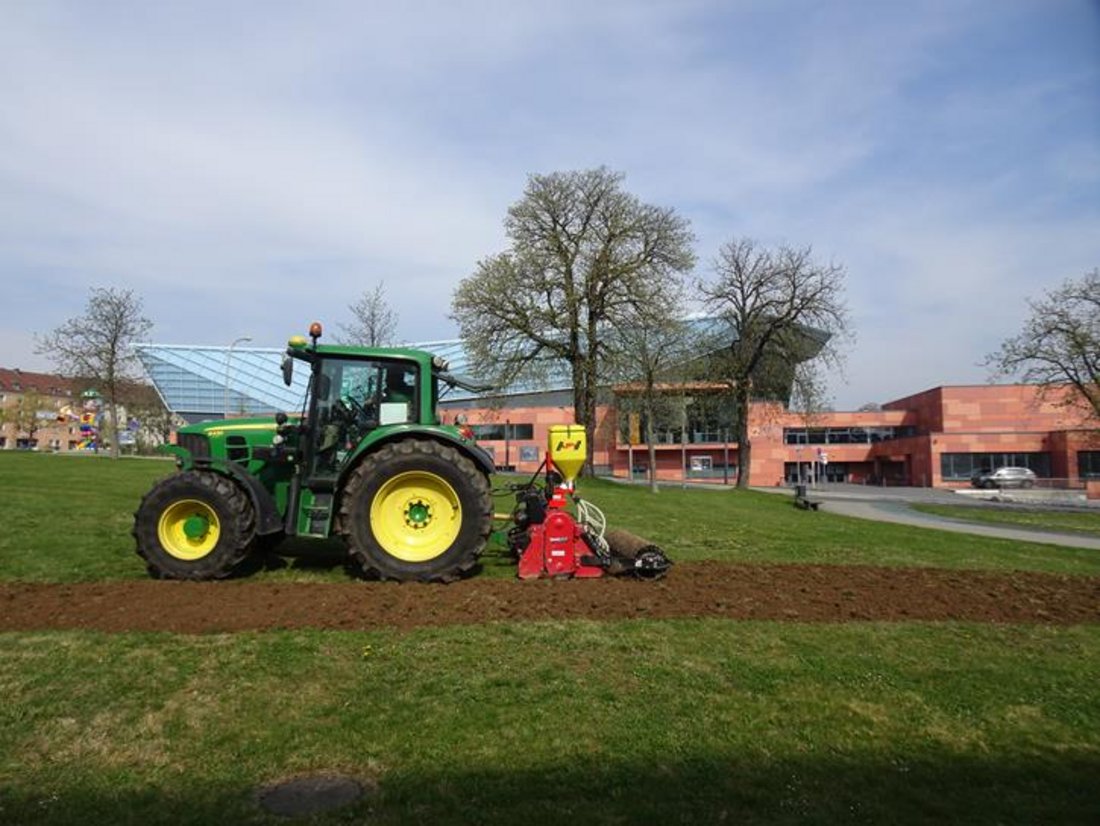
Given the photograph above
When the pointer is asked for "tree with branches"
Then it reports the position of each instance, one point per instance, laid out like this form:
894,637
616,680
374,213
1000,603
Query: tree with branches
145,406
24,413
583,253
96,347
783,308
1059,344
374,322
654,348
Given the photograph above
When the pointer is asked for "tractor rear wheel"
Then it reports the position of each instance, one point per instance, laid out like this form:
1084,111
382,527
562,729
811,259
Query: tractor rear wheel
195,525
416,510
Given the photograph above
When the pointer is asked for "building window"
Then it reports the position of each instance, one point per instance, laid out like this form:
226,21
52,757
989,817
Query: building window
961,466
703,467
844,435
1088,464
803,472
502,430
702,419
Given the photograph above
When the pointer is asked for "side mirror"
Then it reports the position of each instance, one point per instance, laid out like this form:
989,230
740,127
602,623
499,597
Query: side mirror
288,370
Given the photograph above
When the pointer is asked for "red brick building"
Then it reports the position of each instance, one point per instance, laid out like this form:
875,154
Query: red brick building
934,438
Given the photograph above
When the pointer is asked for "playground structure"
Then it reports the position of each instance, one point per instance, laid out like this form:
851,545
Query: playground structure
91,417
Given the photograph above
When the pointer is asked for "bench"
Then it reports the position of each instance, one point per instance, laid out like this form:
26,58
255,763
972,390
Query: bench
801,500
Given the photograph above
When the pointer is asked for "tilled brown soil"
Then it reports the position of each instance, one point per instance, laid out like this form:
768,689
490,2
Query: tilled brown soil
798,593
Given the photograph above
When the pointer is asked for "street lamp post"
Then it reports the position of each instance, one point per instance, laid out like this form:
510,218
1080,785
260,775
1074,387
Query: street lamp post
725,456
228,360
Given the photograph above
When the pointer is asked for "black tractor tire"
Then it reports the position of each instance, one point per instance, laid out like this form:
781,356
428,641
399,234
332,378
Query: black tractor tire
416,510
213,500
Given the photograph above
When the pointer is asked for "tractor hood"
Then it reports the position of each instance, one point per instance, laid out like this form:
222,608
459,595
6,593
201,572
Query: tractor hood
225,427
227,439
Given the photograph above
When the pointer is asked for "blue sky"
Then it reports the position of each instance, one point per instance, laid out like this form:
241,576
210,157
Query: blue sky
250,166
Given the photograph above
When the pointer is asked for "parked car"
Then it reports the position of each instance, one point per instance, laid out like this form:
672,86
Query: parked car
1003,477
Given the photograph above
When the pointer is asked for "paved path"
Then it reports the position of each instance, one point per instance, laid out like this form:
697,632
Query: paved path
894,505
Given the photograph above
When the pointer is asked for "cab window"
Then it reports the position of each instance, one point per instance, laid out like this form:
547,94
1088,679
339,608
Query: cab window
354,396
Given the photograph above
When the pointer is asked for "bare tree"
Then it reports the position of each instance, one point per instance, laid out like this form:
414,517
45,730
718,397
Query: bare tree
96,347
1060,343
783,309
583,253
374,322
155,421
653,348
809,395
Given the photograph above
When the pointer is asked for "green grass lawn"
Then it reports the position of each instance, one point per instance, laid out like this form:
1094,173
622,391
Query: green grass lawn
662,722
699,721
764,527
1071,521
69,519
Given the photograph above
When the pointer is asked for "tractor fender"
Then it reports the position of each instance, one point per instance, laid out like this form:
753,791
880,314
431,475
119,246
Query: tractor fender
268,519
482,459
479,455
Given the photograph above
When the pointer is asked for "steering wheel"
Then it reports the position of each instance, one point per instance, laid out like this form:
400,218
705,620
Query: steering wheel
346,409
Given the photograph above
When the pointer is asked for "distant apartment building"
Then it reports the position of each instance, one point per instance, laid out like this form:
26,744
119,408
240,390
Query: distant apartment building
47,412
33,411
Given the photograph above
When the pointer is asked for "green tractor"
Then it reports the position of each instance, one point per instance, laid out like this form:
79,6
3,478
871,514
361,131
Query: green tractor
367,459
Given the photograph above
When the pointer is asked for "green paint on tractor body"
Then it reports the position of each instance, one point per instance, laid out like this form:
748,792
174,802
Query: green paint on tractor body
294,466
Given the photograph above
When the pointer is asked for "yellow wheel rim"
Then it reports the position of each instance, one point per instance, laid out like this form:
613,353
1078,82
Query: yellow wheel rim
416,516
188,529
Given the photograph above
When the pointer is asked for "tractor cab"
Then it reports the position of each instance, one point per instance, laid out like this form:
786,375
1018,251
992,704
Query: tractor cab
351,398
358,399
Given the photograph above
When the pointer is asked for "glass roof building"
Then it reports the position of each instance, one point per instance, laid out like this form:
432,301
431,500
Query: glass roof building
201,383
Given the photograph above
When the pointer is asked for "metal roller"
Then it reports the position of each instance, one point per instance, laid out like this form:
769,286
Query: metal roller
634,556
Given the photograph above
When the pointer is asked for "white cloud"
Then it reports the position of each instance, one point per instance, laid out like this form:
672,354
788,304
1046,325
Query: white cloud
249,166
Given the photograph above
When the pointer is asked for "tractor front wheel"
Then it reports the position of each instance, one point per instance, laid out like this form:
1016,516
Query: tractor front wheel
194,525
416,510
